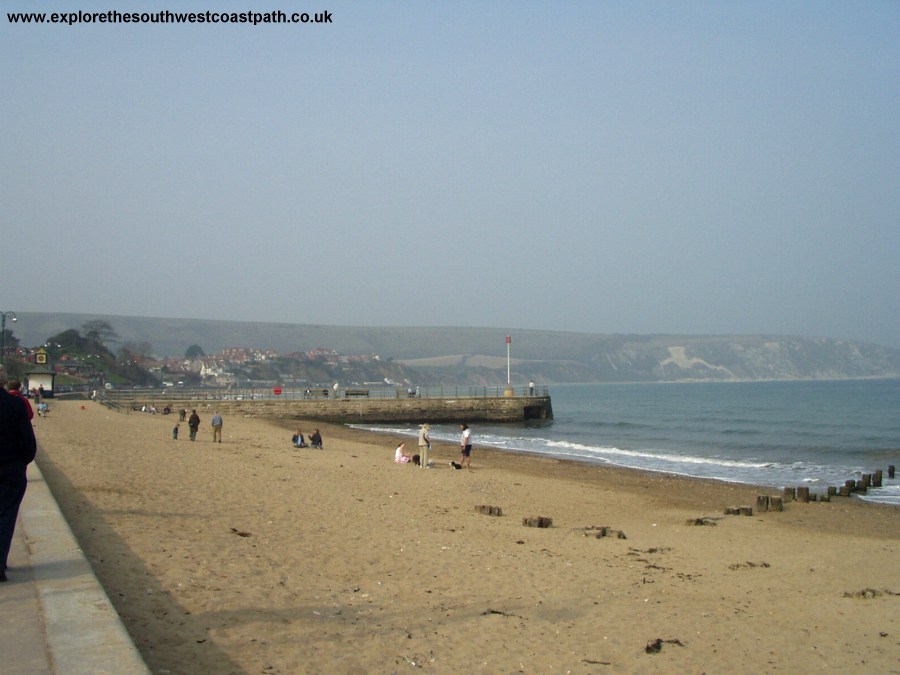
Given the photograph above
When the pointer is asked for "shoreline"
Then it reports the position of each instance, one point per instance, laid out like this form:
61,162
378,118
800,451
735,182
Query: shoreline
250,555
586,462
682,489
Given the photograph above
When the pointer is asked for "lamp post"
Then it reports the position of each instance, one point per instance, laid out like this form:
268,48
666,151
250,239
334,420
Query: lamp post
3,317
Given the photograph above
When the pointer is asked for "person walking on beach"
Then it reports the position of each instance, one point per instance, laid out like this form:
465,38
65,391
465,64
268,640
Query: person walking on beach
15,388
465,445
217,427
17,449
194,424
424,445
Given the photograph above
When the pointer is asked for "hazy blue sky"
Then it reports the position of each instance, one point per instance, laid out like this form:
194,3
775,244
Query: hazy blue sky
611,167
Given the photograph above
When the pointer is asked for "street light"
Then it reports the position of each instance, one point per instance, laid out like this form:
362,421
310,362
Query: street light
3,317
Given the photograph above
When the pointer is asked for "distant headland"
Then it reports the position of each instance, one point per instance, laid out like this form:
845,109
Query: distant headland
477,356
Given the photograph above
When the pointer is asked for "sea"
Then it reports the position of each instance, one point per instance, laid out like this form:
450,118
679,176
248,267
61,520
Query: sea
774,434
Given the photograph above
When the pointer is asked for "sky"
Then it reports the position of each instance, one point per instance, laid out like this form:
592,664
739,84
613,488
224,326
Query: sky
603,167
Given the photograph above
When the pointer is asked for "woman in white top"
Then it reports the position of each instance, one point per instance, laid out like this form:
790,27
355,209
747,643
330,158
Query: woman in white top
465,446
399,455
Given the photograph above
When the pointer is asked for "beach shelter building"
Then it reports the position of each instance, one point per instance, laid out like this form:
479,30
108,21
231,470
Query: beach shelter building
41,376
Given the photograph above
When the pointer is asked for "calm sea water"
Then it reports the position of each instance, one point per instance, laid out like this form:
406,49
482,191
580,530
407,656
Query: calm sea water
764,433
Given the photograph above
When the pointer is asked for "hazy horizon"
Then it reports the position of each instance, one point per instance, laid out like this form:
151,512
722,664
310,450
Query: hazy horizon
32,329
692,168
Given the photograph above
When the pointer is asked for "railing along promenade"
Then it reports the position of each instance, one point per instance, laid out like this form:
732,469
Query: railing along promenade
348,404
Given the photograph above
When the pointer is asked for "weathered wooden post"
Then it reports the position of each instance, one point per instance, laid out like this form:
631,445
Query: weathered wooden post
832,490
789,494
866,480
876,478
890,471
762,503
803,494
745,510
537,521
850,484
776,504
845,491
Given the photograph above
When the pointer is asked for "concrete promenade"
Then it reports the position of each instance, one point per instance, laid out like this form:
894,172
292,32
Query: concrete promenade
54,615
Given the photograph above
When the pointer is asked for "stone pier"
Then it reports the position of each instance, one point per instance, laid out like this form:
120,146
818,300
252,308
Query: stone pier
469,409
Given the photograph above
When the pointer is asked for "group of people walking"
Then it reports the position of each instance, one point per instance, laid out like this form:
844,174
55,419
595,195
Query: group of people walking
465,449
193,423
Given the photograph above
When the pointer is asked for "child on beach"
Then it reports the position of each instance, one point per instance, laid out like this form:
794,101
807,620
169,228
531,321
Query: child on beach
175,433
400,455
316,439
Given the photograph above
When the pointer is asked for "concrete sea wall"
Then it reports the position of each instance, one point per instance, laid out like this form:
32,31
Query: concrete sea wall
363,410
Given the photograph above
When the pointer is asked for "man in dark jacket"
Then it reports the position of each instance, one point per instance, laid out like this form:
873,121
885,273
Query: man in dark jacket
194,424
17,450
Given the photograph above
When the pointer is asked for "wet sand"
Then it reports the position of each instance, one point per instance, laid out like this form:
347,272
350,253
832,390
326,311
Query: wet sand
251,556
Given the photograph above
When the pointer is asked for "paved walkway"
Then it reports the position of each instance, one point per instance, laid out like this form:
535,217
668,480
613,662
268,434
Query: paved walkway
54,616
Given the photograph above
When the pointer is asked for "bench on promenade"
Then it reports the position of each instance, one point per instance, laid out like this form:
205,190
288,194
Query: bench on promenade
350,393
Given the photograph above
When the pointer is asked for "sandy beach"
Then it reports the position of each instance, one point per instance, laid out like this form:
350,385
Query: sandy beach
251,556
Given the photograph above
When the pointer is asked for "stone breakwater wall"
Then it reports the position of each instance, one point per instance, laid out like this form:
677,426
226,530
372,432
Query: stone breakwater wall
362,410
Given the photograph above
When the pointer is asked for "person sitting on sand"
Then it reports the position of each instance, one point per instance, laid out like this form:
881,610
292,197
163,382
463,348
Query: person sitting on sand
315,440
298,440
400,455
